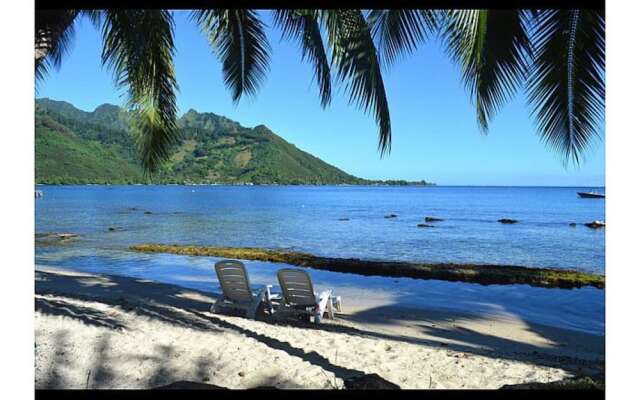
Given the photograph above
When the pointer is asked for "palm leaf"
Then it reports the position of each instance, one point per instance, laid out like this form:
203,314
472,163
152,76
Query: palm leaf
138,47
95,16
493,50
239,41
54,32
355,57
302,26
566,87
399,32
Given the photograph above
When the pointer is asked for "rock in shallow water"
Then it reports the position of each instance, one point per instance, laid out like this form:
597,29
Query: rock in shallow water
595,224
391,216
55,236
432,219
507,221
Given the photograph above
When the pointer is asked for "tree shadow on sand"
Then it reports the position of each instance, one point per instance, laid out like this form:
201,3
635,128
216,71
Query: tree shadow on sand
190,308
100,374
165,303
311,357
54,377
445,329
89,316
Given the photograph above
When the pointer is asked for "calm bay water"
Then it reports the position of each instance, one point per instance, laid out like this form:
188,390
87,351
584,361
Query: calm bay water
305,218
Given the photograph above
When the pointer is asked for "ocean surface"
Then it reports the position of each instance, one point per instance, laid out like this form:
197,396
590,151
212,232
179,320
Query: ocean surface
307,219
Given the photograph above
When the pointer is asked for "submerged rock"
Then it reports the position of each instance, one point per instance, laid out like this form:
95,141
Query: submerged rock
432,219
148,212
573,224
391,216
507,221
343,219
595,224
425,226
55,236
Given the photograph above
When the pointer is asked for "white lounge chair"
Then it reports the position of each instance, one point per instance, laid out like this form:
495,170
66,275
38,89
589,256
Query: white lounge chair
236,289
299,298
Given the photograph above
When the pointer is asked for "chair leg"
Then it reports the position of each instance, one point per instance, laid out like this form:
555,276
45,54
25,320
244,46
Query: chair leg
330,309
215,309
336,301
323,299
268,300
253,308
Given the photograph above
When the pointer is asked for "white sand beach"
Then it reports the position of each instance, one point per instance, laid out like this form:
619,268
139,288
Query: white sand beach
105,331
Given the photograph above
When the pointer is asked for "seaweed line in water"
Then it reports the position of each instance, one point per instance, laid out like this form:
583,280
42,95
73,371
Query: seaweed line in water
473,273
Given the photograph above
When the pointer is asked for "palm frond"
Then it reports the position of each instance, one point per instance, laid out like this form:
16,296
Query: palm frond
493,50
566,87
303,27
355,57
54,32
138,47
399,32
95,16
238,39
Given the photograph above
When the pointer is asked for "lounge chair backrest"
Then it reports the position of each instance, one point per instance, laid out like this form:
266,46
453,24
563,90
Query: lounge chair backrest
234,280
296,287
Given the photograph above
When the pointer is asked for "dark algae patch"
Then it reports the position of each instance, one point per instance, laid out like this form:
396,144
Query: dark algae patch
577,383
474,273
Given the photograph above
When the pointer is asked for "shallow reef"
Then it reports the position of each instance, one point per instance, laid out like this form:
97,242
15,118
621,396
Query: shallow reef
474,273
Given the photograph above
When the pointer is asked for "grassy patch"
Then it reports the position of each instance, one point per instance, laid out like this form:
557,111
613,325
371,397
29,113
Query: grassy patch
483,274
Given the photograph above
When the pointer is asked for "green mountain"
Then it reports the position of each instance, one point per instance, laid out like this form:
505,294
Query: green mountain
72,147
75,146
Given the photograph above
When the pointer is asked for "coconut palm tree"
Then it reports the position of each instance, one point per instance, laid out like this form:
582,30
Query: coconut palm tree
557,56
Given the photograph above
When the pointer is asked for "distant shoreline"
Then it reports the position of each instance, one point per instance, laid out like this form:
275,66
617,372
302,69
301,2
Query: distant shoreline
402,183
328,184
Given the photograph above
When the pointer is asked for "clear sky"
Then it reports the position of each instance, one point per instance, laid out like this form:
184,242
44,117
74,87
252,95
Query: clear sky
435,135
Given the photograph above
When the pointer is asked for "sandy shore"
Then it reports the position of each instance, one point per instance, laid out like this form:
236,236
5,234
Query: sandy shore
104,331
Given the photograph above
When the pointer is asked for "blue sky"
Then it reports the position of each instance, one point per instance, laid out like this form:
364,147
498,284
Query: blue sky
435,135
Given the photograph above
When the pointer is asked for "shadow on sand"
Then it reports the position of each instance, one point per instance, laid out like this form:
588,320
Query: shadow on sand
190,308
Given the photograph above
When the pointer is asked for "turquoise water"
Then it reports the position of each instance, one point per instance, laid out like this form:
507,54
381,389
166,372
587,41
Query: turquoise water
306,218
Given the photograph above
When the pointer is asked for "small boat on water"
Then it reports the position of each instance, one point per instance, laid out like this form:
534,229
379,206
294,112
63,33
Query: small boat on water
591,195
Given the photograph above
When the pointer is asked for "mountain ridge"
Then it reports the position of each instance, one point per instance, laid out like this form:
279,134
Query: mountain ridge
76,146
